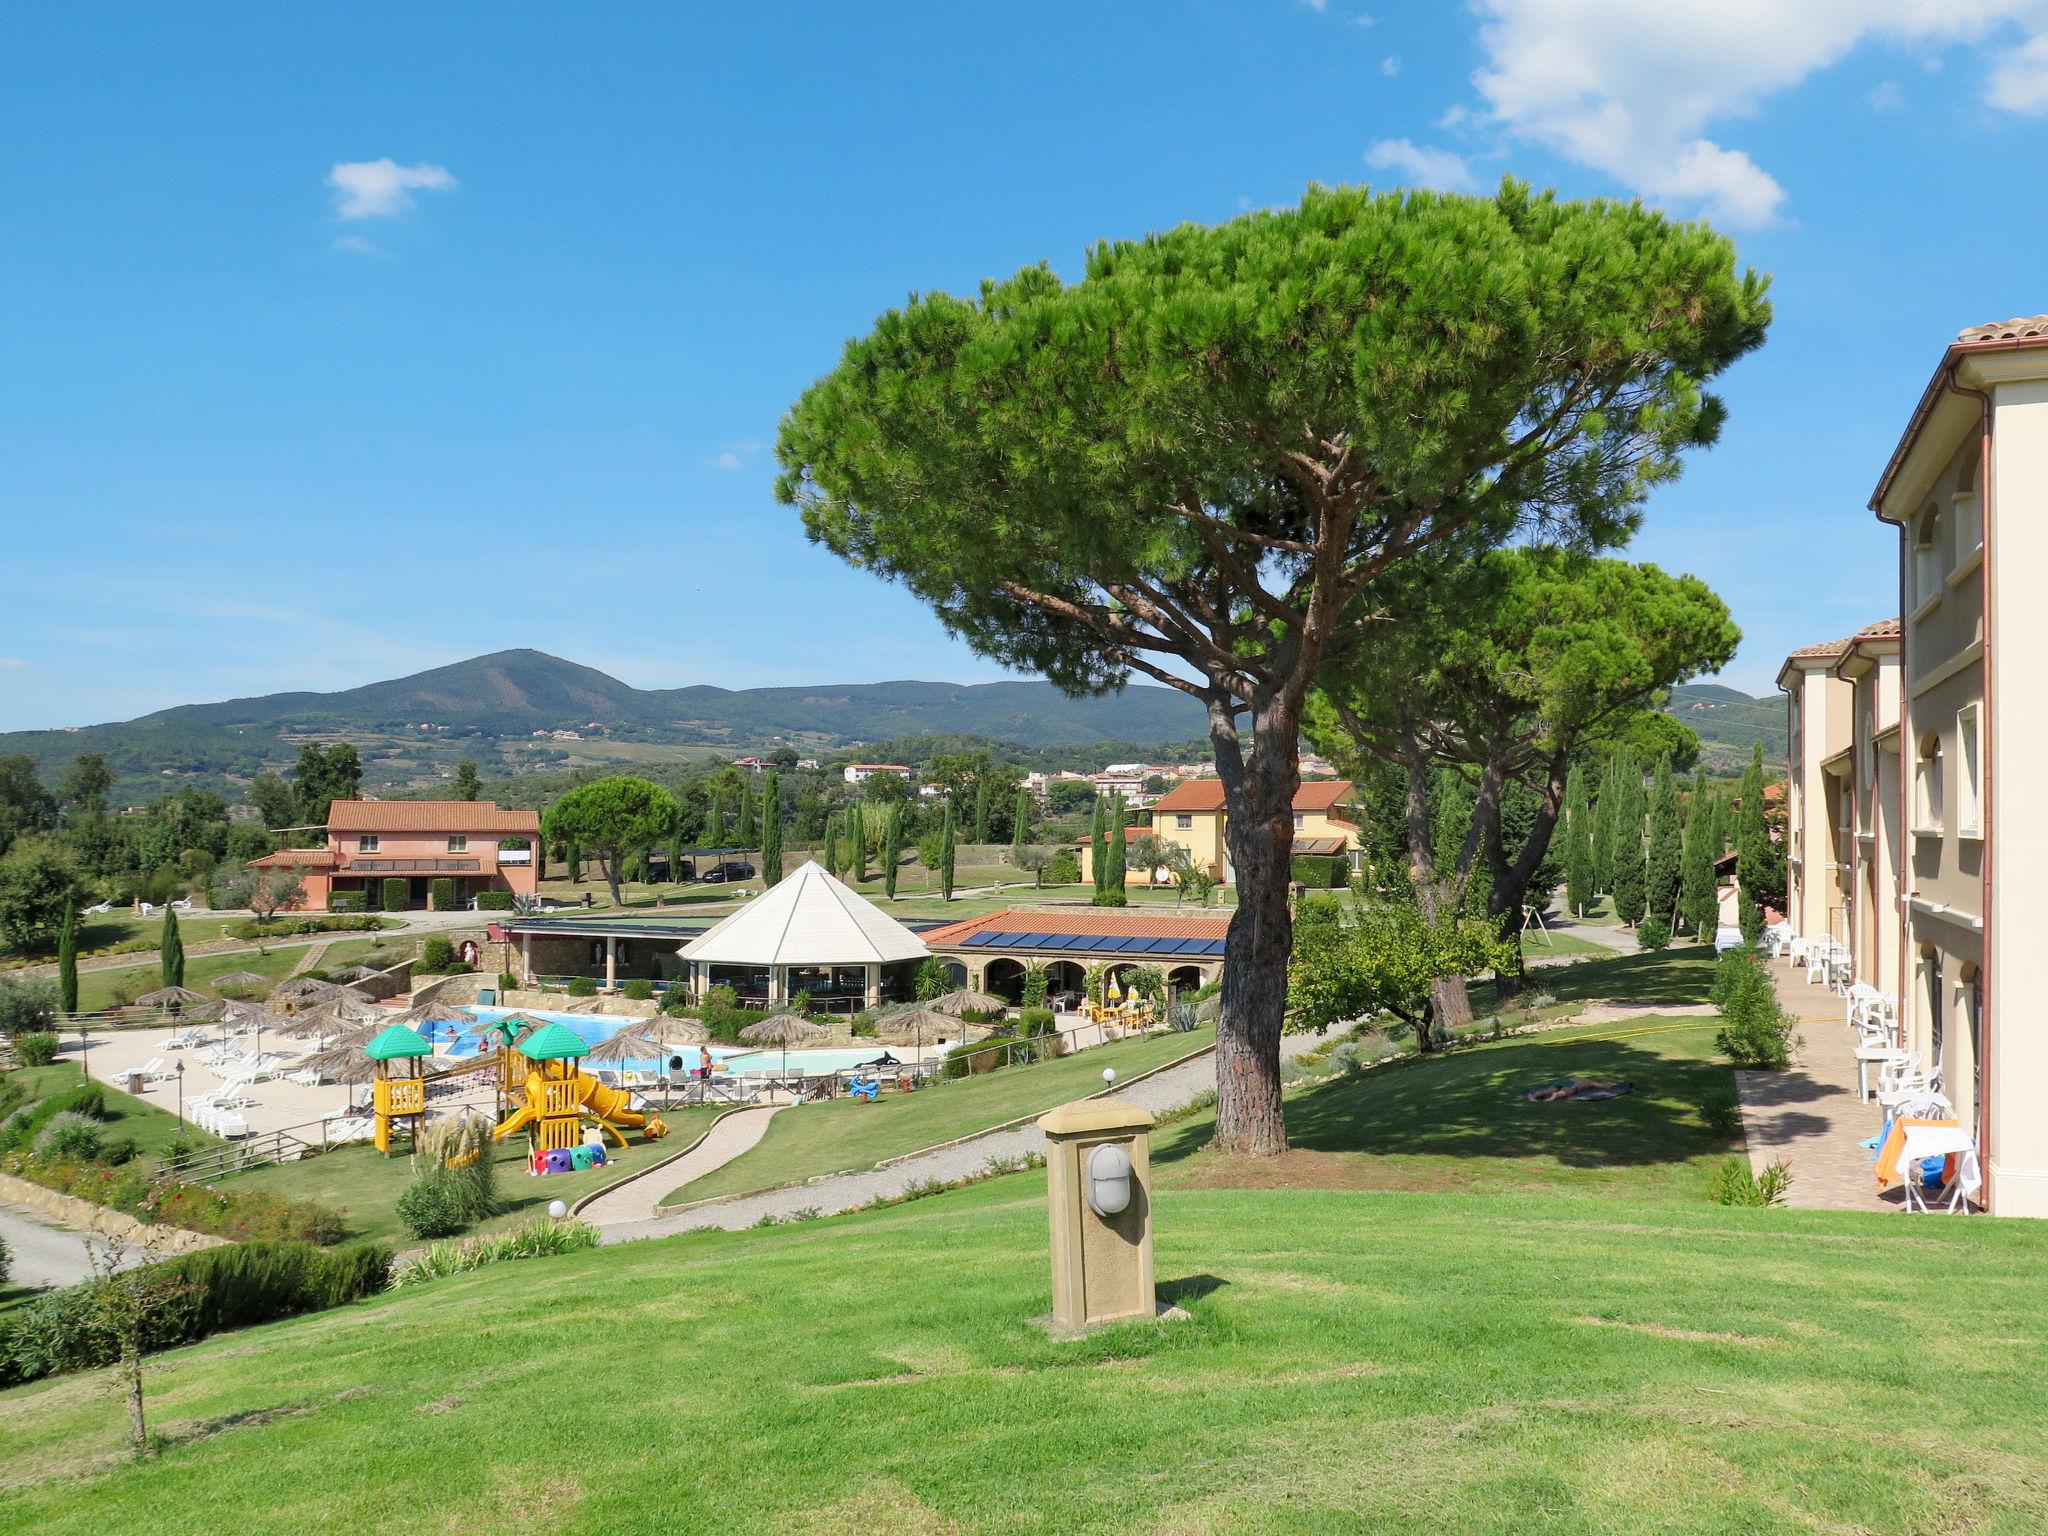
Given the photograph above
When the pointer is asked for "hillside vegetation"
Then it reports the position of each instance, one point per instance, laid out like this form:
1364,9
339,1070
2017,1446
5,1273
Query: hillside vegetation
1729,723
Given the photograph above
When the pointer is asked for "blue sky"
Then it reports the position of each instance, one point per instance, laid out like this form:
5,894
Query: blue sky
277,414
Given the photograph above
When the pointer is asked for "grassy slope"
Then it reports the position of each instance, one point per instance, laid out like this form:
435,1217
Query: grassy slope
829,1138
96,989
366,1187
1355,1361
150,1127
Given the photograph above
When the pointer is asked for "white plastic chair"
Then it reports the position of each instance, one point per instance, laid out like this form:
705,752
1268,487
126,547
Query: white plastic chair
1859,999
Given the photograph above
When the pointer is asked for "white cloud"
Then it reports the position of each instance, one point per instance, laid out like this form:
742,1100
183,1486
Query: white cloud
1885,96
1390,66
382,189
357,245
1632,87
1421,167
735,455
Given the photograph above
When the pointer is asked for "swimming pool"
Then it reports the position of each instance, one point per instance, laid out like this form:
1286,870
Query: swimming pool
467,1040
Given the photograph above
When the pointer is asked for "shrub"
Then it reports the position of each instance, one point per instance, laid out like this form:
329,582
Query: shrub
676,1000
1734,1184
639,989
582,986
458,1152
863,1026
70,1135
1064,870
27,1003
540,1238
1720,1113
1755,1030
1319,871
494,901
348,901
1653,933
37,1048
395,894
293,927
429,1207
437,955
441,893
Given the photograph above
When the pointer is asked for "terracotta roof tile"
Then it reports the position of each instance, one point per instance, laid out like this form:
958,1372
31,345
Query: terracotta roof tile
1819,648
2019,328
295,858
1207,795
1084,920
429,816
1883,629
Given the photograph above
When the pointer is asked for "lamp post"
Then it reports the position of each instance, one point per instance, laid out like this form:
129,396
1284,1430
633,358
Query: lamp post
181,1095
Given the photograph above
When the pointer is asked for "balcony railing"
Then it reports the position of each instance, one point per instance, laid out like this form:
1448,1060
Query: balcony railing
411,867
515,855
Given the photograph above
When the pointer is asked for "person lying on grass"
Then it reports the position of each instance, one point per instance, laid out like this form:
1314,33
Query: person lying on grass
1577,1088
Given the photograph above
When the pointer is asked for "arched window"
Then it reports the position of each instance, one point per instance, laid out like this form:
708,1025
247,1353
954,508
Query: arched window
1926,554
1927,785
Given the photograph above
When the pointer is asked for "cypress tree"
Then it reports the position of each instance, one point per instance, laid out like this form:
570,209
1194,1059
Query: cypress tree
771,829
1752,853
744,832
831,859
981,808
1663,870
1630,875
1097,866
1020,825
946,857
1112,894
1603,831
857,834
67,961
892,850
572,856
171,950
1578,843
1698,898
714,819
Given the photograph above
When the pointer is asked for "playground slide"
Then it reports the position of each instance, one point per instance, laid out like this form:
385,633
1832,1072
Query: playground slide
611,1107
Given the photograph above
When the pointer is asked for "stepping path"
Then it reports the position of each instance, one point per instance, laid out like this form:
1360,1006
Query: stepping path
639,1199
1160,1093
1809,1116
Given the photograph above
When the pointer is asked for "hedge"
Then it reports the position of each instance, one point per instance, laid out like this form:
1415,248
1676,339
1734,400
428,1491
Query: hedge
348,901
494,901
233,1287
242,1215
441,894
395,893
639,989
288,927
1320,871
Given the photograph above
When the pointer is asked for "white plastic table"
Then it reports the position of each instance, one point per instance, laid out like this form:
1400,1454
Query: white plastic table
1865,1055
1924,1141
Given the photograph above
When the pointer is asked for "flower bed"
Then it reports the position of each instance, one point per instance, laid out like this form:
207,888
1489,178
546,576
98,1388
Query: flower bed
135,1190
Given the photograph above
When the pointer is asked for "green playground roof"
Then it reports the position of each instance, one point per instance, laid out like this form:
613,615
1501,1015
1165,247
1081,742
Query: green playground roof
551,1042
395,1042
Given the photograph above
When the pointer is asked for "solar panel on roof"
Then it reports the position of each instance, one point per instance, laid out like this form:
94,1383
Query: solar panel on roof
1036,940
1211,947
1190,946
1082,940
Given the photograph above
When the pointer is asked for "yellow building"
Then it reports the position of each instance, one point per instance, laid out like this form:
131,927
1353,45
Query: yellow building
1192,816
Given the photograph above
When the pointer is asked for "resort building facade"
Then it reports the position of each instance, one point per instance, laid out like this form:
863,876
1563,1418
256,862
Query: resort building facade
1909,739
1191,815
993,953
371,842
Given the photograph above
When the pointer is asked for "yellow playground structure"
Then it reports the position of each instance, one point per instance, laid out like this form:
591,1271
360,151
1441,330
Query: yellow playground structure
399,1099
559,1100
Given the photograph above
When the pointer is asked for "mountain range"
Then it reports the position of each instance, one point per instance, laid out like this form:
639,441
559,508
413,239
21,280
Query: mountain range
509,710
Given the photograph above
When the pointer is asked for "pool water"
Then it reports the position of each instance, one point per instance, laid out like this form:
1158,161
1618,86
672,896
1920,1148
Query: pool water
468,1040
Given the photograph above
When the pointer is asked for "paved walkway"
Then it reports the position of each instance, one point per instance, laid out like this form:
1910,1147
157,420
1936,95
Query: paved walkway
1809,1116
1165,1091
42,1253
640,1199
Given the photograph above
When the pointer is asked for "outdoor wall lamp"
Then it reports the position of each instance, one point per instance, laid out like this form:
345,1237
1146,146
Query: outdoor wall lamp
1109,1180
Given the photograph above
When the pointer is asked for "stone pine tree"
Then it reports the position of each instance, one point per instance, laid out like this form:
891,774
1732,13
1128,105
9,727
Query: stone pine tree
1098,850
613,818
1114,855
1631,888
1578,847
1698,898
1191,462
67,960
744,833
831,853
771,829
171,950
946,856
857,835
1664,868
892,850
1020,826
981,809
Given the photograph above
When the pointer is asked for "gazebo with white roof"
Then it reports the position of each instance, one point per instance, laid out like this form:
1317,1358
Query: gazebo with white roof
807,933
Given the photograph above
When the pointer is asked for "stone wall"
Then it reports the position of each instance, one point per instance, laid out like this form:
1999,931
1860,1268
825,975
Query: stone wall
87,1217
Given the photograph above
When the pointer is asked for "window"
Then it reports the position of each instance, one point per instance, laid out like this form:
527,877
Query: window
1299,819
457,843
1183,822
1969,771
1926,555
1927,785
367,843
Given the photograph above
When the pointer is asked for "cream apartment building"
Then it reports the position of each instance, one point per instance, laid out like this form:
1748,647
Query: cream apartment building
1908,746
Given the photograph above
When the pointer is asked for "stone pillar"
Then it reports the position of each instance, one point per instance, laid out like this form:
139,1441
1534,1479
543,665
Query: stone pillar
874,999
1101,1263
611,963
526,958
778,984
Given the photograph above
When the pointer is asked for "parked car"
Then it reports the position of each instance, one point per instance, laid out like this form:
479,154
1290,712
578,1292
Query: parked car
731,869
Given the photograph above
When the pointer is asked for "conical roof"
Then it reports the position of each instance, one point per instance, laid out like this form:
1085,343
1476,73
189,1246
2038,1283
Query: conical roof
807,918
397,1041
551,1042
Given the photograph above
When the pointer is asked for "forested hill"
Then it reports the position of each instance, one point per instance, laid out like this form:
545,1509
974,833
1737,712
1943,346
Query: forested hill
504,709
1729,723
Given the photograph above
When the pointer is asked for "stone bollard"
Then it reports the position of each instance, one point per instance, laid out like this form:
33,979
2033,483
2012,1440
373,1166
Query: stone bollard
1099,1184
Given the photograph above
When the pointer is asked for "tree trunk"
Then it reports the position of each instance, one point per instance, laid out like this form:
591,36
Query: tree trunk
1448,998
610,863
138,1431
1259,798
1511,880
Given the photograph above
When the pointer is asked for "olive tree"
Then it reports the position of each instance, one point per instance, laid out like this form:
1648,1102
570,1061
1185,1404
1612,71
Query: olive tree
1191,462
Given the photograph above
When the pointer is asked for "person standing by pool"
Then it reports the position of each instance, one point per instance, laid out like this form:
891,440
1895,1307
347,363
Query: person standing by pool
703,1063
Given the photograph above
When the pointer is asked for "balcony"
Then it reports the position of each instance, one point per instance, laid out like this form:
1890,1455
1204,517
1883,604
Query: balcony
515,855
412,867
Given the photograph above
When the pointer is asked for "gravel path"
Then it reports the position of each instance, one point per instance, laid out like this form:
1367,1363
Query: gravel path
44,1254
1165,1091
640,1199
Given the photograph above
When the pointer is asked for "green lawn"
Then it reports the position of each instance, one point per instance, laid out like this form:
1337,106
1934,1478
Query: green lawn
365,1186
1680,974
151,1128
1353,1362
103,988
830,1138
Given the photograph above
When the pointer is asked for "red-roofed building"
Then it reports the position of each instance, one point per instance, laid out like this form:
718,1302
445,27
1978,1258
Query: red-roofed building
992,953
372,842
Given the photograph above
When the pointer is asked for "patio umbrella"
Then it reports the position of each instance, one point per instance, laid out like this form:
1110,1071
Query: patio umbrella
967,1000
241,979
780,1029
250,1016
351,973
172,997
343,1062
921,1017
299,989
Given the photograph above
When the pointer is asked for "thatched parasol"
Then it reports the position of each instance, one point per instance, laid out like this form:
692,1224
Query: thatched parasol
425,1016
966,1000
241,979
649,1037
299,989
352,973
781,1029
921,1018
172,997
344,1062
